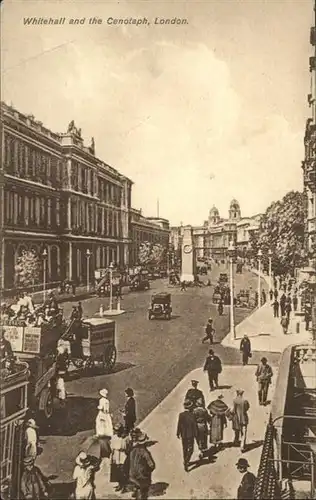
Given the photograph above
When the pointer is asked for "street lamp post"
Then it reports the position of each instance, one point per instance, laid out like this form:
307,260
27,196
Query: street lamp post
111,285
259,277
231,254
88,255
270,269
44,255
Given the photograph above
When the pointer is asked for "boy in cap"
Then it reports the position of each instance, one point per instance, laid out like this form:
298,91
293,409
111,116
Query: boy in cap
247,485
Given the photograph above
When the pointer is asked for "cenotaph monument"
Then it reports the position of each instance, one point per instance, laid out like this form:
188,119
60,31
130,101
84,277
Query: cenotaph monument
187,255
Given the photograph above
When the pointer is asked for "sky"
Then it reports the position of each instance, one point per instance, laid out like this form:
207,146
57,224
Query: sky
195,114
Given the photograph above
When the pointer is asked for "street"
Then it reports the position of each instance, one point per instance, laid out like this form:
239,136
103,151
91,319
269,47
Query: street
153,356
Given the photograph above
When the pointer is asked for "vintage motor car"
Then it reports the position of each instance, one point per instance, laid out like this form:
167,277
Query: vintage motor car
140,282
160,306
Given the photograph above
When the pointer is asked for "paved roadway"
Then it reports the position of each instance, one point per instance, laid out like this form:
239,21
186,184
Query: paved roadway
153,356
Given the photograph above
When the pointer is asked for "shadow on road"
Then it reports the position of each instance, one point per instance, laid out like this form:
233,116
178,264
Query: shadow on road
76,374
158,489
254,445
78,415
61,491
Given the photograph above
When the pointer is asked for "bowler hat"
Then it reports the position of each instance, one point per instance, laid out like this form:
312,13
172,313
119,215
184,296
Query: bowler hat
194,382
242,462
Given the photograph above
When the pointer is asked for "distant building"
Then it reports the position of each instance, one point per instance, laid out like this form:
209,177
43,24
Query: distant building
57,195
146,229
212,239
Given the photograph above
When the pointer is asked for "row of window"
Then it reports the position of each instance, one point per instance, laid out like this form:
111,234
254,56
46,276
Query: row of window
87,217
29,210
32,163
29,162
85,180
142,236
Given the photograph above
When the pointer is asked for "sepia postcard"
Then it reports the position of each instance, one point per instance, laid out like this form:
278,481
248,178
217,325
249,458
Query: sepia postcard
158,249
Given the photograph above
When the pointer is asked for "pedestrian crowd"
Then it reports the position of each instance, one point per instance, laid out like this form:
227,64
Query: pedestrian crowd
23,312
284,300
123,451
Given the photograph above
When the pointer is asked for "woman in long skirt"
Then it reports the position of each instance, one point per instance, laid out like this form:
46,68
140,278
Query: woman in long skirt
103,423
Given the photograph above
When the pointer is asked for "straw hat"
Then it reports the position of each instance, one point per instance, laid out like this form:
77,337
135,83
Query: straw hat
141,437
104,393
82,459
31,423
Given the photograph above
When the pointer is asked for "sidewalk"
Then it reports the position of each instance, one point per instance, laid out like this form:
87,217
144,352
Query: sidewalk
265,332
216,479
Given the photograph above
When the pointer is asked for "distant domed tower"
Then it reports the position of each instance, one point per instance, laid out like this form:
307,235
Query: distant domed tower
213,217
234,210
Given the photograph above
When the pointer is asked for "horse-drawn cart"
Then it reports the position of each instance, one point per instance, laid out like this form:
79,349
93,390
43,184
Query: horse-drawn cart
91,344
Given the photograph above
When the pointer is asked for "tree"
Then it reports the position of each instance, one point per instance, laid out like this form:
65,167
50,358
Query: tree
157,254
151,254
282,230
144,253
27,269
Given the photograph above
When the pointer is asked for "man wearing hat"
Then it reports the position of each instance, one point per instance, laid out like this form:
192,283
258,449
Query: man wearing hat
31,440
142,466
34,484
264,374
246,489
209,330
240,419
213,367
187,431
84,476
194,394
245,349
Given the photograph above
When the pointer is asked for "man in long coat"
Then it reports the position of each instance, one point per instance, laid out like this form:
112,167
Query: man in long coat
213,367
187,431
245,349
240,419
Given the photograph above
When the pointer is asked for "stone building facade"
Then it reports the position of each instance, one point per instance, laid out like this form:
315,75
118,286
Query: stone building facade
309,163
58,196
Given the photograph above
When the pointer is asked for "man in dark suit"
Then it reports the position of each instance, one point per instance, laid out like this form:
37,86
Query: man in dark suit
213,367
193,394
246,488
245,349
187,431
129,410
